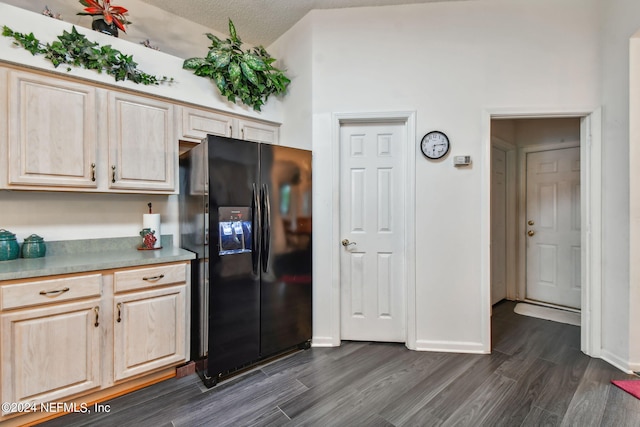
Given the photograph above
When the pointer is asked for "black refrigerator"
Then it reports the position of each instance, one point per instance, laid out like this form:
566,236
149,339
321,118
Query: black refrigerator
245,210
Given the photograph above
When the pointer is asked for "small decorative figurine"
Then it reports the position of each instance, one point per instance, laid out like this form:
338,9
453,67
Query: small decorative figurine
148,238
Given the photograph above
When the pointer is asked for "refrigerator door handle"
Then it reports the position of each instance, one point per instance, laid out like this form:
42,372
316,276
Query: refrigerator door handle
266,228
256,226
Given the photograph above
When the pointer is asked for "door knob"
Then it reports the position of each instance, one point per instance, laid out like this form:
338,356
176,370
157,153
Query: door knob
347,243
530,233
530,222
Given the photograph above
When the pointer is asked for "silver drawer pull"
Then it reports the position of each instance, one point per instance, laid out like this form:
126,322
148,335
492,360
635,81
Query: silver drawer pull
154,277
54,293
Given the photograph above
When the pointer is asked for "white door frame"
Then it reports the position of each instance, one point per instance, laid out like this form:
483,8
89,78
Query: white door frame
408,182
591,217
511,202
522,209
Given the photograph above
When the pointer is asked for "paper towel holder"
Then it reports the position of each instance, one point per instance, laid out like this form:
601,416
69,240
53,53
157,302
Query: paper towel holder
149,238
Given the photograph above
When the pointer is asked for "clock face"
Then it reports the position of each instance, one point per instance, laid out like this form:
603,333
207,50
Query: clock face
435,145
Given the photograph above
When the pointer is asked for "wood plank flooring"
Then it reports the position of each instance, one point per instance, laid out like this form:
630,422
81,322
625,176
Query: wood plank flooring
535,376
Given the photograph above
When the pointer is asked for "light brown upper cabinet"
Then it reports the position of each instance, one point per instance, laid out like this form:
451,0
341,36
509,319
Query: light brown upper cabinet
255,131
197,123
64,135
52,132
142,149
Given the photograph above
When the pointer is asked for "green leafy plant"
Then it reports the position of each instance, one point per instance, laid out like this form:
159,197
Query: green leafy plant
73,48
246,76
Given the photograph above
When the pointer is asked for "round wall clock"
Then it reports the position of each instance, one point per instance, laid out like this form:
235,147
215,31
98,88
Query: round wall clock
435,145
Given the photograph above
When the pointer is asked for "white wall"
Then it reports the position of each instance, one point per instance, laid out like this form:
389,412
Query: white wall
449,62
634,203
71,216
621,208
617,18
504,129
295,51
546,131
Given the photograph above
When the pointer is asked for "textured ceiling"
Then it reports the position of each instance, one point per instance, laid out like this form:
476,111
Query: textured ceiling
259,22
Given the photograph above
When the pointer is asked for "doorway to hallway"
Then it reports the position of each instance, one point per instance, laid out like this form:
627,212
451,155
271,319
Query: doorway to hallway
536,211
514,250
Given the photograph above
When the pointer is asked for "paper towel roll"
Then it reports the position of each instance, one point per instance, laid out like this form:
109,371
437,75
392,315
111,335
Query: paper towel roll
152,221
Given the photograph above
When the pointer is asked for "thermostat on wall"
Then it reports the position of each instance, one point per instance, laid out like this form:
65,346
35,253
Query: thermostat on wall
461,160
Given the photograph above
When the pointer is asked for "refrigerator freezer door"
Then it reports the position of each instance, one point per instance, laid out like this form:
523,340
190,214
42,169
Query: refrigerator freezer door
234,286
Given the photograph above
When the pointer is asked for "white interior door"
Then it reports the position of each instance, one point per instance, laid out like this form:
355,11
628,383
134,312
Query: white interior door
372,228
553,227
498,225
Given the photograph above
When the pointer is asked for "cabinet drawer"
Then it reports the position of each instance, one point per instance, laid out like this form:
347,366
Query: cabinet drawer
49,291
141,278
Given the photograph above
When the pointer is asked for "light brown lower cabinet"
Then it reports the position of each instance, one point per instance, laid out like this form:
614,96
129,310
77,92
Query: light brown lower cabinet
49,353
149,330
88,336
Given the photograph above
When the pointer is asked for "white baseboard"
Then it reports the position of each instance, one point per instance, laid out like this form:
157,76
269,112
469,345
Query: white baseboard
617,361
451,346
548,313
324,342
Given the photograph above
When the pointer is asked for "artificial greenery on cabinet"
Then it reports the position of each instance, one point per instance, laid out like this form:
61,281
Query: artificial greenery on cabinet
246,76
74,49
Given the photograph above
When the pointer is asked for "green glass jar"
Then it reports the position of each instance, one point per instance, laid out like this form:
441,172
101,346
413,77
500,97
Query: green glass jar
9,248
33,247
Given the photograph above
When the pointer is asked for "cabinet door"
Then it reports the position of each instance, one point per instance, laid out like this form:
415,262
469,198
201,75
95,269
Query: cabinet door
50,353
52,132
142,150
258,131
197,124
149,330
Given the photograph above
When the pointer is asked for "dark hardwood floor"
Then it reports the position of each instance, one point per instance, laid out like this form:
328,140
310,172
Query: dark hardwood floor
535,376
